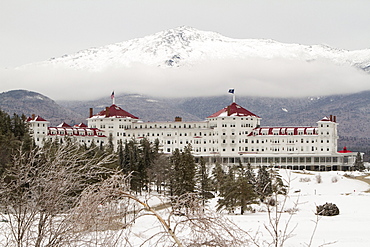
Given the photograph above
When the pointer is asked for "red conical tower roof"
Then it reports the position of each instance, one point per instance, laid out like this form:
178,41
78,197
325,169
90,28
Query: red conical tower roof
233,110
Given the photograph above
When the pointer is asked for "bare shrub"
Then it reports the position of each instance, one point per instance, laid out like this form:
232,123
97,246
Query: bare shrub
328,209
39,190
318,178
305,180
185,223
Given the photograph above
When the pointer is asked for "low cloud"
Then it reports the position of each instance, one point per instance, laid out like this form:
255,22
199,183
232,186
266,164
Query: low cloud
253,77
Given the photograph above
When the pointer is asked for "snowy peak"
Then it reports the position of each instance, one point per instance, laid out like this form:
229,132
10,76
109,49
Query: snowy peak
186,46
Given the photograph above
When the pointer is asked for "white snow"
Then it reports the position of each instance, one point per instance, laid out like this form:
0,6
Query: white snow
349,228
184,46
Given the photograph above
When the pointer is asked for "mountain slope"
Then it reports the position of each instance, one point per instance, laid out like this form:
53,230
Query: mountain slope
28,103
144,107
184,46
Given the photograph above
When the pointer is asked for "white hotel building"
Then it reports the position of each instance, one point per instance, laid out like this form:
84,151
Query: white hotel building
227,136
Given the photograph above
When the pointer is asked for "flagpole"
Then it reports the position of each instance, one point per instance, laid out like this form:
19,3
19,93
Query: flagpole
232,91
113,98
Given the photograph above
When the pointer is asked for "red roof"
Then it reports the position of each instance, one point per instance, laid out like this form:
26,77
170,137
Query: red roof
116,111
80,125
344,150
38,118
233,110
64,125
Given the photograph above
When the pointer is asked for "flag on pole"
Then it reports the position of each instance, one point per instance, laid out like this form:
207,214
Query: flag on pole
231,90
112,95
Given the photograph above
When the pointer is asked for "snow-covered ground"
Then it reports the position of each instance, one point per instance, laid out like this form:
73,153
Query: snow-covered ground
349,228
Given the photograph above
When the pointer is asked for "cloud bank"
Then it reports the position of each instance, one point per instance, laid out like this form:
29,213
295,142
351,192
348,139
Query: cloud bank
253,77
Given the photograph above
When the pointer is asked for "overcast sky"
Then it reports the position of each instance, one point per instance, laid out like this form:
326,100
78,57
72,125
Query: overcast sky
36,30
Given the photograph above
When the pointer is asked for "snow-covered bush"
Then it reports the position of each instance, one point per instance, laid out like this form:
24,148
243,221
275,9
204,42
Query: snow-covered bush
318,179
334,179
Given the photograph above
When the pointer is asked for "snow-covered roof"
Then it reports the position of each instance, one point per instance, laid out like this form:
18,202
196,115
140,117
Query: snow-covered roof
80,125
233,110
63,125
37,118
114,111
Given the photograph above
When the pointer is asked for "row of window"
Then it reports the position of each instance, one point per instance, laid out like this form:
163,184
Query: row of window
283,149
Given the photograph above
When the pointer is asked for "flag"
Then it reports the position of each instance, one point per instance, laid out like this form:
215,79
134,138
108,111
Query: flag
112,95
231,90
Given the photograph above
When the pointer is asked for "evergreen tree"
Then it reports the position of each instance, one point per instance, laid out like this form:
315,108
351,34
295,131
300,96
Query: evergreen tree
204,182
218,177
237,191
109,148
359,164
13,135
263,183
189,170
182,172
278,185
175,173
146,157
227,191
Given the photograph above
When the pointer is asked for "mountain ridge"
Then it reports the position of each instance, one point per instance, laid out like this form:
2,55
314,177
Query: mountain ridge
184,46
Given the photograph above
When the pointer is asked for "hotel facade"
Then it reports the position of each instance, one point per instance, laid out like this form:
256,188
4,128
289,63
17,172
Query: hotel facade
231,135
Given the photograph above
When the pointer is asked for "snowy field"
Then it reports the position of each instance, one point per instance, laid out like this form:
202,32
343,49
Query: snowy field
349,228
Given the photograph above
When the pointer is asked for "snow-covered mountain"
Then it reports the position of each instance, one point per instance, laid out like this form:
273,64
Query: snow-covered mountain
186,46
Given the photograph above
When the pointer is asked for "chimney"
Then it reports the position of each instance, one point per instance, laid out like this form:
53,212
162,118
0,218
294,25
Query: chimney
33,116
91,112
178,119
335,119
331,118
107,111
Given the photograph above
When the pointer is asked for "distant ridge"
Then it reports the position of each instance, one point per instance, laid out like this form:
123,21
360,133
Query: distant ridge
28,103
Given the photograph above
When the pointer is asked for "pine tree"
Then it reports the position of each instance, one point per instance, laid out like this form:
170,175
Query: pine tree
146,157
227,192
189,170
203,180
182,172
237,191
359,164
263,183
218,177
